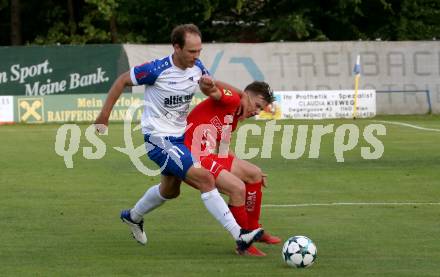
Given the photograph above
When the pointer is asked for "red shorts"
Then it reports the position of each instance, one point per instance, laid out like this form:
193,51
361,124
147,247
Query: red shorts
216,164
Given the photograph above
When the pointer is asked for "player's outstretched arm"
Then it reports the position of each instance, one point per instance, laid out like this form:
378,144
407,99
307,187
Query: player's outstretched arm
230,87
243,109
209,87
115,91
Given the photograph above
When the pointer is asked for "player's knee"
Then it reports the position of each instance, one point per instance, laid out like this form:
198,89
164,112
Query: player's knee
173,194
239,193
253,175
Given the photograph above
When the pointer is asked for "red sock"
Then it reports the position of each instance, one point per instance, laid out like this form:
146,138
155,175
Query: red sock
240,215
253,204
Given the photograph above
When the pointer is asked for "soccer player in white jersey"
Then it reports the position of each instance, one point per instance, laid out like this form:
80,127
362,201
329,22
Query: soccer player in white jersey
170,84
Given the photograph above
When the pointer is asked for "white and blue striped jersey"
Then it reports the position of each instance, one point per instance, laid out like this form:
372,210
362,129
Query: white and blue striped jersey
168,94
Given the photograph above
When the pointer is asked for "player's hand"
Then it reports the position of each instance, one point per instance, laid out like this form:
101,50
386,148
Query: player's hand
206,83
101,123
264,176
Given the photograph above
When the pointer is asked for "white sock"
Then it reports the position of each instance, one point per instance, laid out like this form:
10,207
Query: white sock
217,207
150,201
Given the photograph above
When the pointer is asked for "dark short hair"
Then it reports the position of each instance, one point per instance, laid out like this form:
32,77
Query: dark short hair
261,88
179,32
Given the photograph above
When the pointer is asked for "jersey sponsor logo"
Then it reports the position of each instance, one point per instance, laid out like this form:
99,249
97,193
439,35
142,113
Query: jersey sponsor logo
251,199
217,123
175,101
227,92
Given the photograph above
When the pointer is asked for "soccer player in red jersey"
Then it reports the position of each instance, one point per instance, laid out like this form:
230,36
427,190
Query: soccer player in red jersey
210,125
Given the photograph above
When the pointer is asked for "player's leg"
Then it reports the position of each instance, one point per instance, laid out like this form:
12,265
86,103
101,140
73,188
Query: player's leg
203,180
253,178
228,184
179,162
155,196
167,189
232,186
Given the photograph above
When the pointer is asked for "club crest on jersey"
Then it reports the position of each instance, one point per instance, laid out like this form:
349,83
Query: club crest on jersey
177,100
227,92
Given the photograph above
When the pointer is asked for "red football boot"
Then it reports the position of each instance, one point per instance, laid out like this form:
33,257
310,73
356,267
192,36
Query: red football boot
252,251
269,239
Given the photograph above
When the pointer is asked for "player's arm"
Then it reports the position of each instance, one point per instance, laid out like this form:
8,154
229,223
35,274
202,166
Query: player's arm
244,104
209,87
115,91
230,87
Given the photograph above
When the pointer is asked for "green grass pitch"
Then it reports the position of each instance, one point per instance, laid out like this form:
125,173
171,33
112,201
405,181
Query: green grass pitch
65,222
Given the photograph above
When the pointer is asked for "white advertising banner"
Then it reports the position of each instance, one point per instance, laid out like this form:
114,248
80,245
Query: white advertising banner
6,109
321,104
405,74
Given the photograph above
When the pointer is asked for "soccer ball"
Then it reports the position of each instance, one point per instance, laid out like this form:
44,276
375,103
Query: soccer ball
299,251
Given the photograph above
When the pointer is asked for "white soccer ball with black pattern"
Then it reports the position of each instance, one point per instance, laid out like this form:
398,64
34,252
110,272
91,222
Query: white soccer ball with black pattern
299,251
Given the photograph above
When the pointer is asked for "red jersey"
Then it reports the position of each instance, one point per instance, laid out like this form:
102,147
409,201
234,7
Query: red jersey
217,115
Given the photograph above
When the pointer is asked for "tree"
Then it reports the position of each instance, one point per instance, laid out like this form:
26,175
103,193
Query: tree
96,23
15,22
150,21
418,20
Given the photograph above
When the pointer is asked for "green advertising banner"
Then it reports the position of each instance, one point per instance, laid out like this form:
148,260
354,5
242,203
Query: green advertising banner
77,108
66,69
71,108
